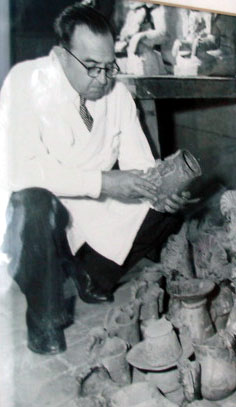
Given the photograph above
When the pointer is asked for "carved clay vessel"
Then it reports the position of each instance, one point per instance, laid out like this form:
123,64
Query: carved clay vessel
173,175
123,322
193,296
218,369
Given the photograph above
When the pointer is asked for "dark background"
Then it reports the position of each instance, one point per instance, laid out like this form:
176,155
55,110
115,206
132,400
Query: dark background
32,32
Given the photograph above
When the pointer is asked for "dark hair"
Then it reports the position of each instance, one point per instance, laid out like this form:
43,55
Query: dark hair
77,14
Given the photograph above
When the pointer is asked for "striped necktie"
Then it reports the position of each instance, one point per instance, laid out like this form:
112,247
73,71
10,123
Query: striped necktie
84,113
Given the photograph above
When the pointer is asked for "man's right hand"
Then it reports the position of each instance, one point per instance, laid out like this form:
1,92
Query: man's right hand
128,185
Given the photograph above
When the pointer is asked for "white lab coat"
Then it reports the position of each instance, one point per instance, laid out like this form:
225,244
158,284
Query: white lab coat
45,143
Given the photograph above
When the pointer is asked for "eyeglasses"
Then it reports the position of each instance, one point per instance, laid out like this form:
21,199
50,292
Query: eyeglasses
111,70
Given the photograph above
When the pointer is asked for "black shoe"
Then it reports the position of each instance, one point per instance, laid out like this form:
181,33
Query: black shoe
47,341
87,290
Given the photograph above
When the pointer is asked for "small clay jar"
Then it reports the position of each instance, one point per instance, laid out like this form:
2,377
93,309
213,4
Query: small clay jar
218,369
124,323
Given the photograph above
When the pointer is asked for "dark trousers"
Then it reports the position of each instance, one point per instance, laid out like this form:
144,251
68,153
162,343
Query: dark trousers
37,245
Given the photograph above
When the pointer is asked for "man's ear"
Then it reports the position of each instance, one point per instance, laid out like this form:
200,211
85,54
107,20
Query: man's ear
61,54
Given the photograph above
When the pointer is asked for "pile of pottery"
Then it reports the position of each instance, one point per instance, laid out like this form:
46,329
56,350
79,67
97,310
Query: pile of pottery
173,342
160,349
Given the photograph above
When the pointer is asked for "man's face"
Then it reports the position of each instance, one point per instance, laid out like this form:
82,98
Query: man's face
93,50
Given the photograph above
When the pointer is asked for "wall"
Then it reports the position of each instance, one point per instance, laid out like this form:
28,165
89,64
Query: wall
208,129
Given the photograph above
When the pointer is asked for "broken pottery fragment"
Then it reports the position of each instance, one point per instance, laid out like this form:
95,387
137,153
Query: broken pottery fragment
109,353
123,322
94,381
140,395
173,175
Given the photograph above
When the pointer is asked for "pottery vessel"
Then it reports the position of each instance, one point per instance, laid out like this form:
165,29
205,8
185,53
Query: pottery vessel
124,323
218,369
173,175
159,351
139,395
109,353
162,345
192,293
166,380
150,298
94,381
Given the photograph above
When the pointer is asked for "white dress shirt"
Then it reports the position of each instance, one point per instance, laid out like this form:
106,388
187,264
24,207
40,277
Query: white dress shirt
45,143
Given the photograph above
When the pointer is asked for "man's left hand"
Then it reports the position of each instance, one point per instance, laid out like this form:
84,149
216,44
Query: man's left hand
176,202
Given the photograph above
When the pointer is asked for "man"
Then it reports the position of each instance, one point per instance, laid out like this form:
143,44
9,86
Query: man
67,122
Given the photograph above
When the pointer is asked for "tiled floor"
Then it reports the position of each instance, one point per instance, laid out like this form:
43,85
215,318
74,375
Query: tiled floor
31,380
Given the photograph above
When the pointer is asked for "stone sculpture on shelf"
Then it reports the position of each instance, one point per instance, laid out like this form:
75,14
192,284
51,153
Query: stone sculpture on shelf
148,36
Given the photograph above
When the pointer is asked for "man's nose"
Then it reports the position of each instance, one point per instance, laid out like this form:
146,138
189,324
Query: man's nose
102,77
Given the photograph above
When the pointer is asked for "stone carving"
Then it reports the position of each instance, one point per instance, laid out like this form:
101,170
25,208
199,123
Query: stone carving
173,175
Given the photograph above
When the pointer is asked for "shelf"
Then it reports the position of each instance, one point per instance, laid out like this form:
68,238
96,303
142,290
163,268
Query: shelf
179,87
